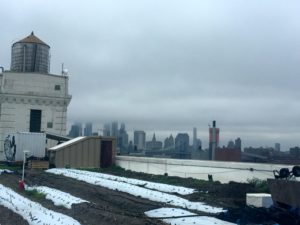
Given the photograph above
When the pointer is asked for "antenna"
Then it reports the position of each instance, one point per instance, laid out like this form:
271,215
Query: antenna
64,72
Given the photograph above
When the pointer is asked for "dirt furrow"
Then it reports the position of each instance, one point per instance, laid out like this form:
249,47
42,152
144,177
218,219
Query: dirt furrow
106,206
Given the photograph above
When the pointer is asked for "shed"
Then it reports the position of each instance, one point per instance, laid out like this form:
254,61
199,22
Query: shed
84,152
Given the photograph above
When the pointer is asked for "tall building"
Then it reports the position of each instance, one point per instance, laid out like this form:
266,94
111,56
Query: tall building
238,144
130,147
197,145
169,143
139,139
88,129
123,139
114,129
106,130
231,145
195,138
277,147
213,140
153,144
114,132
76,130
32,99
182,141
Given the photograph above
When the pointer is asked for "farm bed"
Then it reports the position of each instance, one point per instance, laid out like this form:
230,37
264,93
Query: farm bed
107,206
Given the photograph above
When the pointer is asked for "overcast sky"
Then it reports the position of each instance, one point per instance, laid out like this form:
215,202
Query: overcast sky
167,66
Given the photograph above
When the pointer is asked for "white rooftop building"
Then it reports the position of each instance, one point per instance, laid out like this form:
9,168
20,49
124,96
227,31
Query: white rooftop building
31,99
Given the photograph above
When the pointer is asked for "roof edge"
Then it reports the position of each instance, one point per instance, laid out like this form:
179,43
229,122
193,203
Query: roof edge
31,39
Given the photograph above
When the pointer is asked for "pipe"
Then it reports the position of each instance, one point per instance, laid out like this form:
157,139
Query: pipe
24,55
2,80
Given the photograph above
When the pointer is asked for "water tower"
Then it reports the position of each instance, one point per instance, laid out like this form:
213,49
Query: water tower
30,55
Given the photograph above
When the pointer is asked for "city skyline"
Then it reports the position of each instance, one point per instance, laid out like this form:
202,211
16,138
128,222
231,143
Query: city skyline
161,137
166,67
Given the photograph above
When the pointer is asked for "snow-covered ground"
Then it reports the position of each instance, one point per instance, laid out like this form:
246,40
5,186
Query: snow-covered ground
147,184
142,192
58,197
5,171
183,217
168,212
34,213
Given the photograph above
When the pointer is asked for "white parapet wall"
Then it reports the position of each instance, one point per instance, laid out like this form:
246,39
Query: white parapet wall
200,169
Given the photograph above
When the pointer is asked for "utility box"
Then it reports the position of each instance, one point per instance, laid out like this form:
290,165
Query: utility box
16,143
259,200
38,164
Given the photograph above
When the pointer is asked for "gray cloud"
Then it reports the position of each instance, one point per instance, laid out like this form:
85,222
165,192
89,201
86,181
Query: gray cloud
168,66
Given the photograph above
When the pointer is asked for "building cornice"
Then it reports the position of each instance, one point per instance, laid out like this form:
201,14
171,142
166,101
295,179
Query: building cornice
35,100
8,72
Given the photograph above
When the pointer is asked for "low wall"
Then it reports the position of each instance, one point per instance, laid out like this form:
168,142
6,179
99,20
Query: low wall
221,171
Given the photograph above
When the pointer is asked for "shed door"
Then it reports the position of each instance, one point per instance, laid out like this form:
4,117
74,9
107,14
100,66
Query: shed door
35,120
106,154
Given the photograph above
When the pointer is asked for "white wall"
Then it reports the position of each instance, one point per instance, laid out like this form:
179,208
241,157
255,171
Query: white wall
21,92
221,171
35,84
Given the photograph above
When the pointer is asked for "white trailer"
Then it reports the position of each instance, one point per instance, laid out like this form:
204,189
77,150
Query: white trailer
16,143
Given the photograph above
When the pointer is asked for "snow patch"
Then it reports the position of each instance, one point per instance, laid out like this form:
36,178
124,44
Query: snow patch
5,171
168,212
150,185
137,191
34,213
197,220
59,198
183,217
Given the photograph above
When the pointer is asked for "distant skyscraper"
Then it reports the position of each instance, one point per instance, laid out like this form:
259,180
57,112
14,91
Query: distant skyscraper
123,139
139,139
76,130
130,147
169,143
295,152
277,147
114,129
238,144
213,140
195,147
182,142
231,145
199,144
88,129
154,144
106,130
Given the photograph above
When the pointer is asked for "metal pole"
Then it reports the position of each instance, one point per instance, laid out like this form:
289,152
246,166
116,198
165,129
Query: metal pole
23,166
24,56
24,161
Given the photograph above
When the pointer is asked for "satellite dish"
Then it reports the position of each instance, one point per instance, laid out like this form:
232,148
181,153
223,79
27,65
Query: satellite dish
65,72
